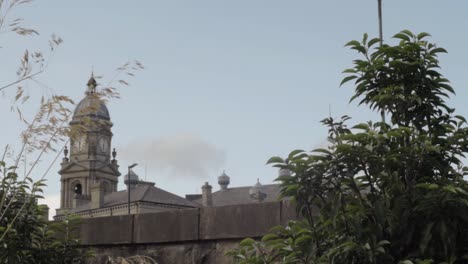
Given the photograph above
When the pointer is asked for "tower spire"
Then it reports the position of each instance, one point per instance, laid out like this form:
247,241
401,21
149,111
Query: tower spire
92,84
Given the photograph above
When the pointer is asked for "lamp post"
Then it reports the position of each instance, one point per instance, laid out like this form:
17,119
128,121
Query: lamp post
128,183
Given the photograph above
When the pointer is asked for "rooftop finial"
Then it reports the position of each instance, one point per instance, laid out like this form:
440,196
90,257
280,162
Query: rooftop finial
92,83
114,154
65,155
224,180
256,192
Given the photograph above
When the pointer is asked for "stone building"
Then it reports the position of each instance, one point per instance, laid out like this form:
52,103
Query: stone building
89,174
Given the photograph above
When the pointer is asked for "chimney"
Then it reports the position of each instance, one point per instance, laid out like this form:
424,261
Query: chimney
97,195
44,209
207,199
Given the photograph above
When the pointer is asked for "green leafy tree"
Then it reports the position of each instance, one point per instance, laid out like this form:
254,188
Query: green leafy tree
381,192
26,234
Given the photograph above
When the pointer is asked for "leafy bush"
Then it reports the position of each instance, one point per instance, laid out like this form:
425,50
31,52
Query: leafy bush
26,236
384,191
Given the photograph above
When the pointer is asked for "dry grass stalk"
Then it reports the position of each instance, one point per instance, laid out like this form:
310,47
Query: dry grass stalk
48,129
131,260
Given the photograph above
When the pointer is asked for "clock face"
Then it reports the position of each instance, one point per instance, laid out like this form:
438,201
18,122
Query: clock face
76,145
103,144
79,143
82,142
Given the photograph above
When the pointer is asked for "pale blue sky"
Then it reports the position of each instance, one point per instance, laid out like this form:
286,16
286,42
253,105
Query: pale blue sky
240,81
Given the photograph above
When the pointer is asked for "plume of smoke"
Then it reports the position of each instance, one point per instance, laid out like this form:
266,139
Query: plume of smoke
182,155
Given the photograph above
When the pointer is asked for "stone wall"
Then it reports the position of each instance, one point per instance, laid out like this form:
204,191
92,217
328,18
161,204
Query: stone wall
182,236
196,252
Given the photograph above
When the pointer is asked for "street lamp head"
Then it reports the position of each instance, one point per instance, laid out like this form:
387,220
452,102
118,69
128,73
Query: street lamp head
132,166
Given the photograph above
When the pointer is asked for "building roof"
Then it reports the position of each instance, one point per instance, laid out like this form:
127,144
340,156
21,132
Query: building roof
141,193
241,195
147,193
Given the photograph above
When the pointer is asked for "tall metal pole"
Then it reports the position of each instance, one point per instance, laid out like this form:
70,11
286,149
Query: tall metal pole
380,22
128,187
379,6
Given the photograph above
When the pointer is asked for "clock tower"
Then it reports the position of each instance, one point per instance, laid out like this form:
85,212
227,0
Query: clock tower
90,160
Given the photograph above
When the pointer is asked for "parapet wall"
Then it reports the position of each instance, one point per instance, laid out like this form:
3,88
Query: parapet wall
201,235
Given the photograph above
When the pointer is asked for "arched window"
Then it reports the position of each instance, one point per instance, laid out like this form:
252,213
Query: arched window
77,189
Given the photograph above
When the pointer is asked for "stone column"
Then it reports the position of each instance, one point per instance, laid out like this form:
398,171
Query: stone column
62,194
207,199
67,191
97,195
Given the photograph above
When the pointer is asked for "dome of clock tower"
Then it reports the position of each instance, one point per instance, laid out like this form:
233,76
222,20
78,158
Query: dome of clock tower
91,106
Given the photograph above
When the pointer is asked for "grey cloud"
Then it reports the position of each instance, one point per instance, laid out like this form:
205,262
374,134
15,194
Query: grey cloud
181,155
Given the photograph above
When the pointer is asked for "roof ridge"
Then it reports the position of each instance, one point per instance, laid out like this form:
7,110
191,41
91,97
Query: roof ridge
144,193
175,196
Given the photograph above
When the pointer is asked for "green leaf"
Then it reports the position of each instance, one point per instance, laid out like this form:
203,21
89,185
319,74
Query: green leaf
402,36
353,43
384,243
437,50
269,237
354,97
364,38
361,49
292,187
461,118
372,42
362,126
407,32
326,151
428,186
447,87
347,79
344,148
294,153
240,256
423,35
248,242
406,262
352,70
275,160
